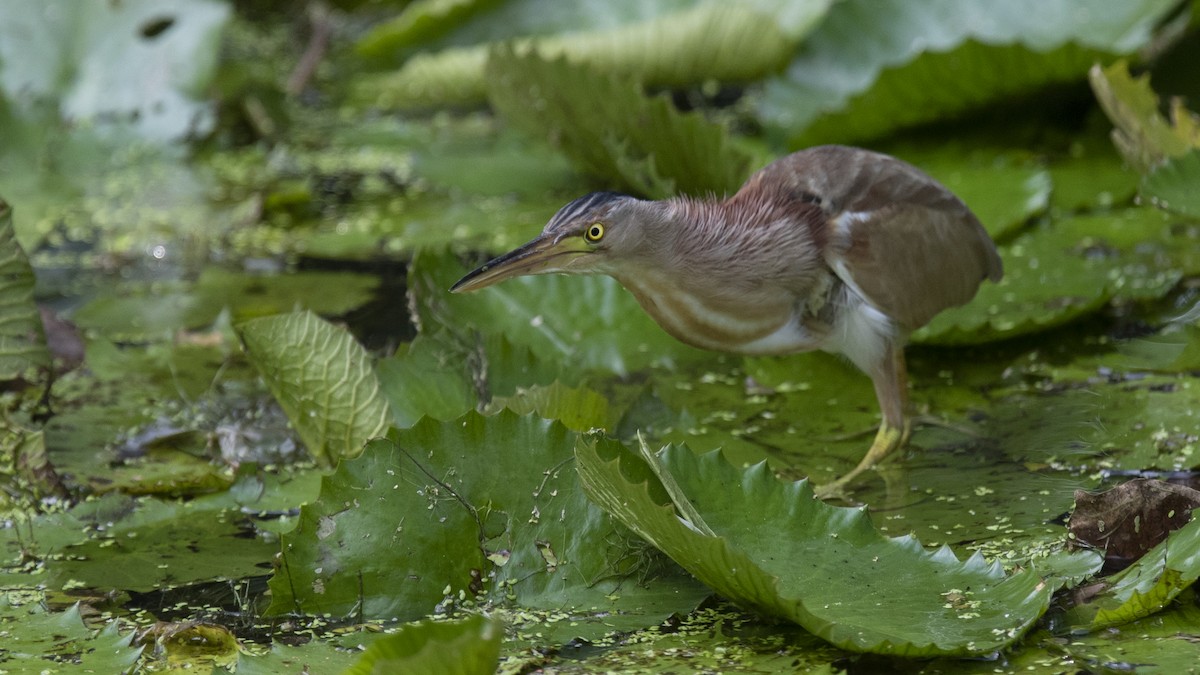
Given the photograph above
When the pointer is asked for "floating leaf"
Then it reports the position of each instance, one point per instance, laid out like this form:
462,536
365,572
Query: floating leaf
1162,643
323,379
611,129
1172,185
141,313
480,505
116,543
425,377
872,66
1068,268
421,20
1148,585
578,408
824,567
22,339
709,41
1094,178
143,61
469,646
1142,135
39,641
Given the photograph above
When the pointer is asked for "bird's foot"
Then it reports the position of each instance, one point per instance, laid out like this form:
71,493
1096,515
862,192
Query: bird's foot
887,440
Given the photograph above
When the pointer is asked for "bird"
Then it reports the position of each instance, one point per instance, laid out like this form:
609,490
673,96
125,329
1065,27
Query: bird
831,248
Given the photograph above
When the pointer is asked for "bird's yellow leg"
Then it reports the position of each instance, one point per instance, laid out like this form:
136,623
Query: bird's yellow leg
887,440
891,388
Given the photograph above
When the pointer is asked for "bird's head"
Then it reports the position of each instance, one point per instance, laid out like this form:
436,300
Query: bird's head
590,234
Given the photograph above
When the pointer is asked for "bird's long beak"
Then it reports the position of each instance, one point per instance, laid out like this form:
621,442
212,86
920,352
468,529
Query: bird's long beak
543,255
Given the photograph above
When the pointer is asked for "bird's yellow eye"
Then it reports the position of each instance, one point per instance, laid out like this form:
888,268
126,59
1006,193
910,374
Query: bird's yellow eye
594,232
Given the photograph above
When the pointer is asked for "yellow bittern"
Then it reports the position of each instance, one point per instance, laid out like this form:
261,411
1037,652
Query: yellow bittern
831,248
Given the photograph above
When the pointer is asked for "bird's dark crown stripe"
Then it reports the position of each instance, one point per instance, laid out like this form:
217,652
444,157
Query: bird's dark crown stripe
582,205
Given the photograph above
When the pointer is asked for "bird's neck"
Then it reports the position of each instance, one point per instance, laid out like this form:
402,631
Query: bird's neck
725,275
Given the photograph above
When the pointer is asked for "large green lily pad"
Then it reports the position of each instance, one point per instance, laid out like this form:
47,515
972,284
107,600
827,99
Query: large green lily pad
480,507
826,568
612,130
872,67
706,41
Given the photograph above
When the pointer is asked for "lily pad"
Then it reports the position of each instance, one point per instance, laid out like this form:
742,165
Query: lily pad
469,646
481,507
1091,178
37,640
421,21
826,568
578,408
1068,268
1142,135
872,67
117,544
144,313
143,62
1172,185
611,129
22,338
706,41
323,379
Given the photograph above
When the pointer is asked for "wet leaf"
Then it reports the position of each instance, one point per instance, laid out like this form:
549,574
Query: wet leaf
420,21
115,543
22,339
481,507
323,379
1128,520
141,313
611,129
1146,586
826,568
1172,185
578,408
707,41
145,63
469,646
873,67
1165,642
318,656
167,473
35,638
1139,424
1090,179
1142,135
1070,267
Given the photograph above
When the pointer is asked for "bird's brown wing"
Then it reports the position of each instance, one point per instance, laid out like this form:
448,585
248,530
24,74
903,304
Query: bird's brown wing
892,232
912,261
